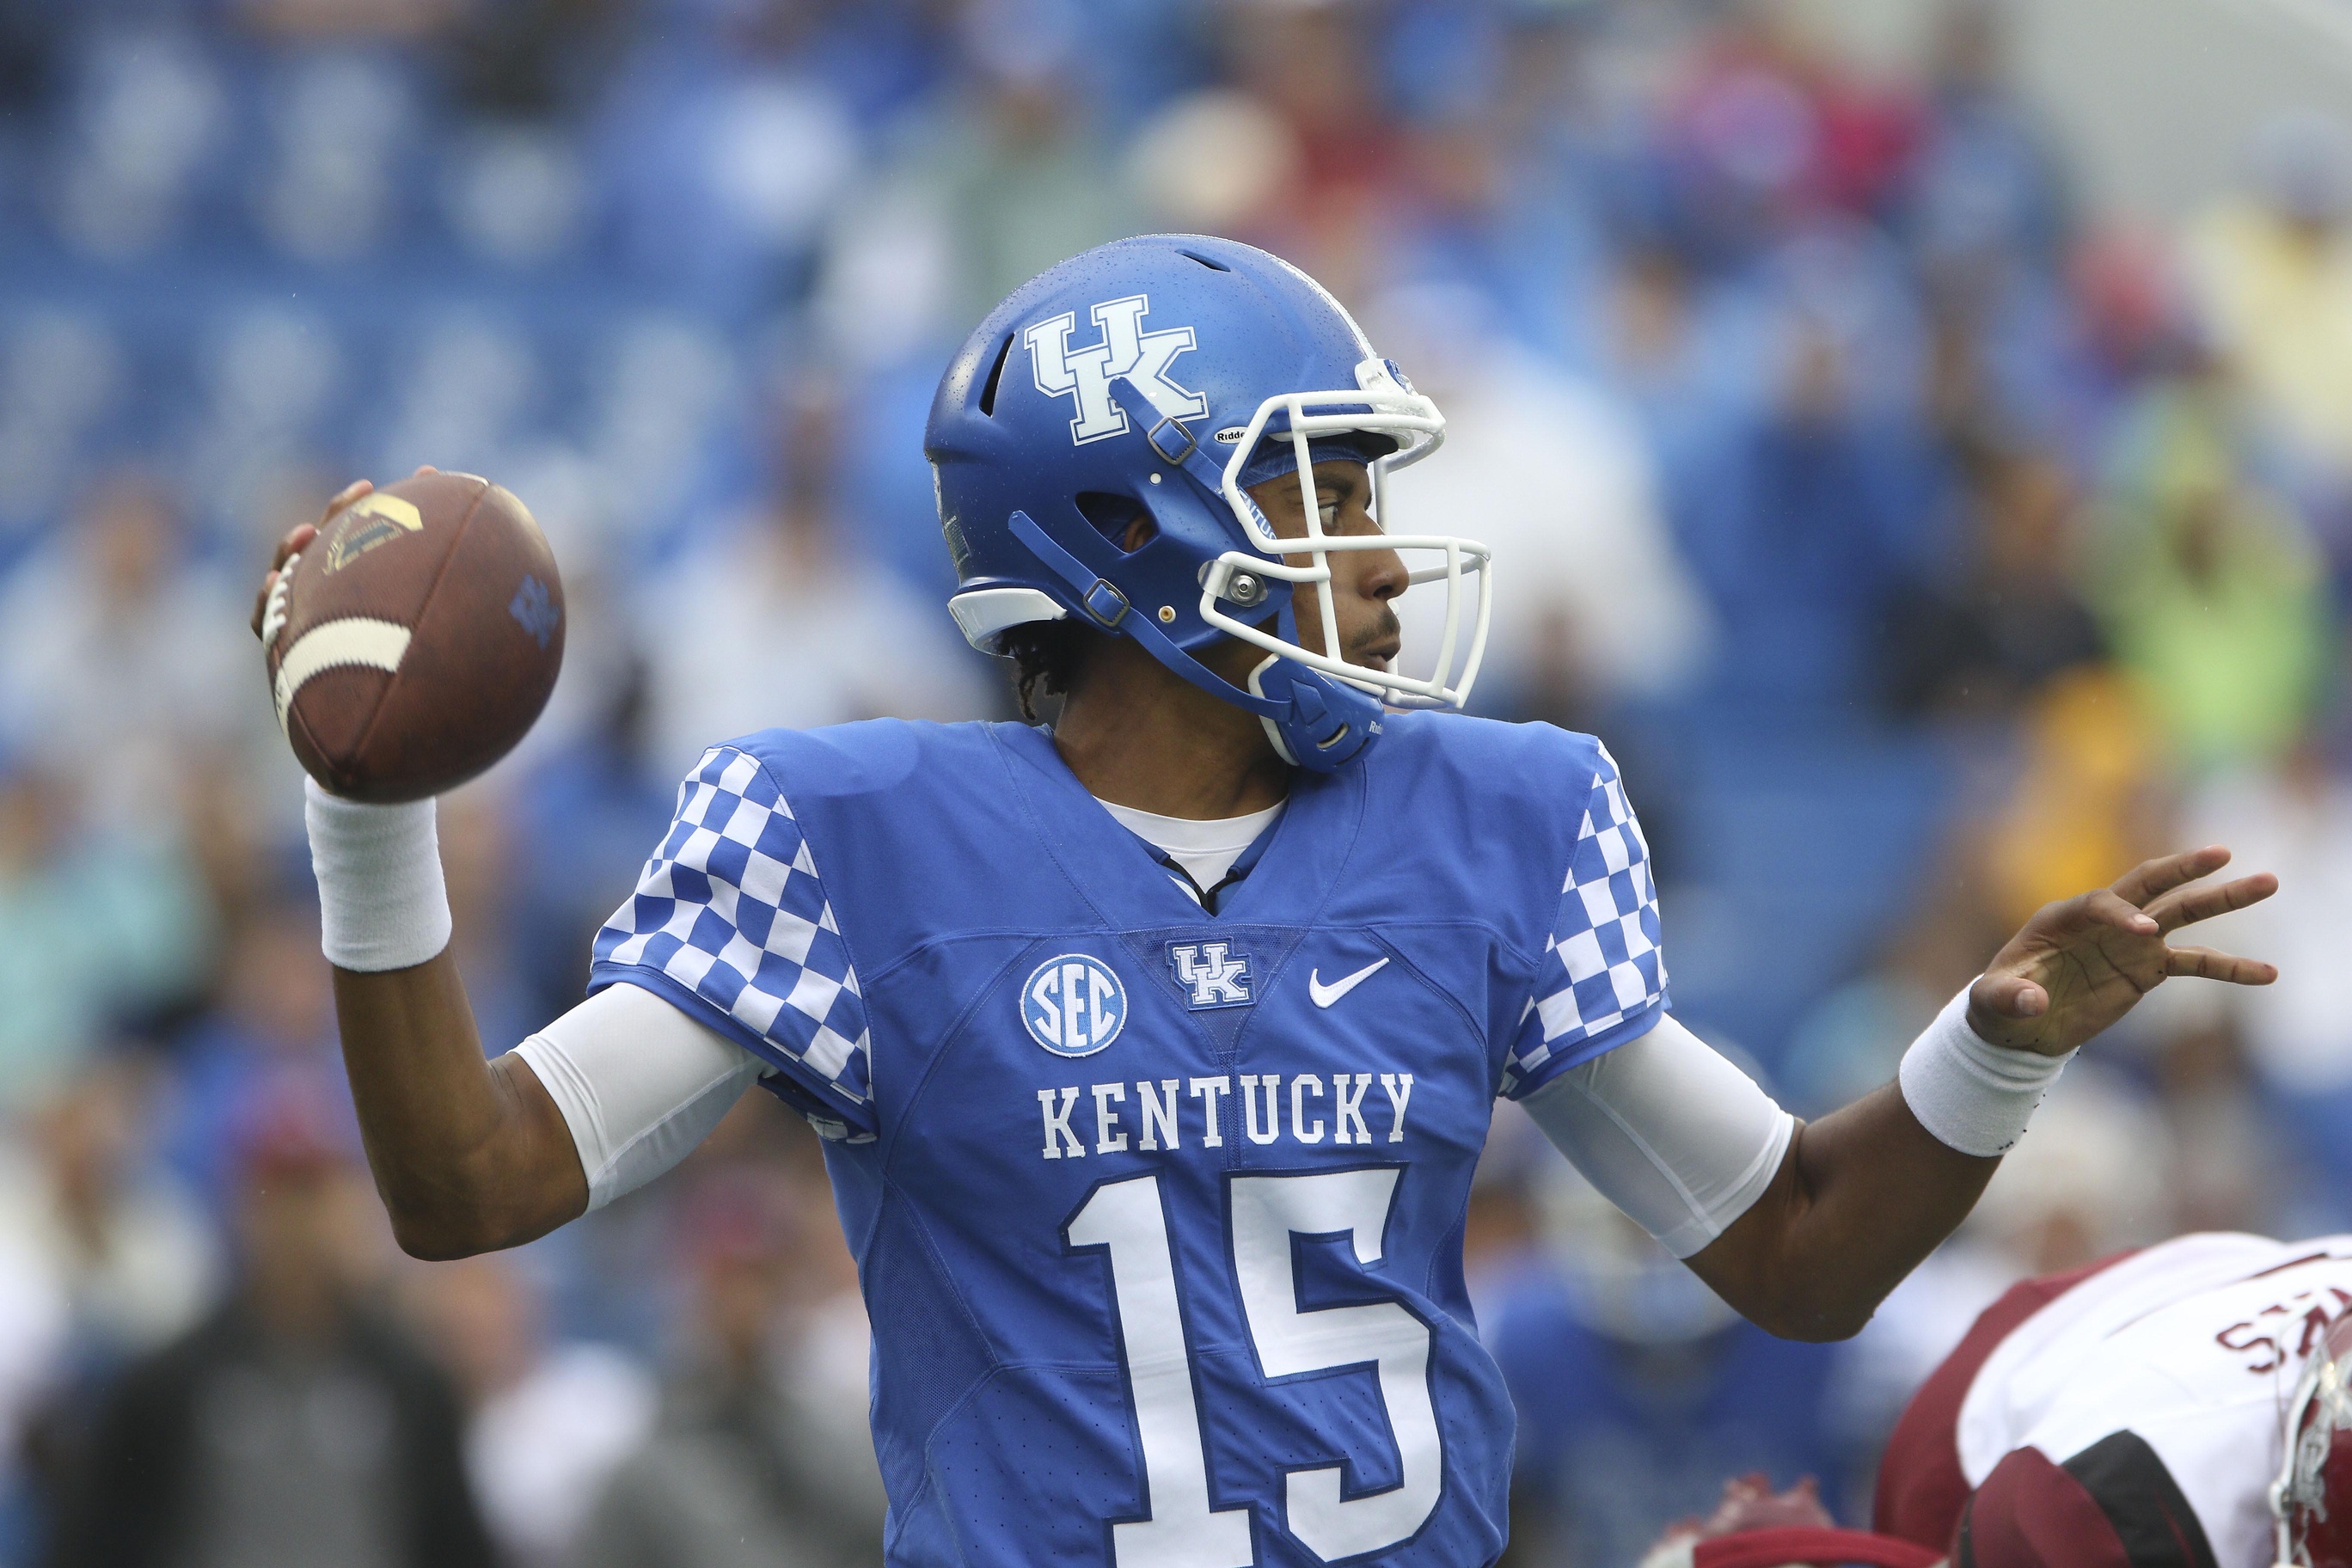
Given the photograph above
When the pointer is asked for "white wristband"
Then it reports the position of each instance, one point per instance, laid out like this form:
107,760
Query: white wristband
1972,1095
381,903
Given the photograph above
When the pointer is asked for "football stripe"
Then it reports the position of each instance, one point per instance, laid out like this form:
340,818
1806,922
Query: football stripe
356,639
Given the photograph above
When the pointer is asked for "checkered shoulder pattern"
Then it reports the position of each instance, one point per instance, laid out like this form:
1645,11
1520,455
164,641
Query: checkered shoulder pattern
729,914
1604,967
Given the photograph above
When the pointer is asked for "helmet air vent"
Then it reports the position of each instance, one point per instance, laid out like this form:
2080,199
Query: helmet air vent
995,374
1210,262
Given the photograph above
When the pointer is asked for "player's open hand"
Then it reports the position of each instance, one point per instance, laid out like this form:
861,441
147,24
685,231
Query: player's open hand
2079,964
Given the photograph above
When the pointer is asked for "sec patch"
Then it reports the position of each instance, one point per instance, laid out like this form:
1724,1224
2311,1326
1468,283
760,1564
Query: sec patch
1073,1005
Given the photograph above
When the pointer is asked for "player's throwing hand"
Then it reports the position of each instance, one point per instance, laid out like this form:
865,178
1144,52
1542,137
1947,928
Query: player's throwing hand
295,540
2080,964
411,638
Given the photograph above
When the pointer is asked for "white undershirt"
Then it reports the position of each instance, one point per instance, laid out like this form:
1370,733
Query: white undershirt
1667,1128
1206,850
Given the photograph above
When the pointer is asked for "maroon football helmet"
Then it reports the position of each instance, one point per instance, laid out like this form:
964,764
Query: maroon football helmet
1783,1547
1754,1526
2312,1498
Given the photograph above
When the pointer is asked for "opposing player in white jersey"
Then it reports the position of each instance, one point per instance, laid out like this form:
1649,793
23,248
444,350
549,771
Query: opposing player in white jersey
1155,1051
2183,1406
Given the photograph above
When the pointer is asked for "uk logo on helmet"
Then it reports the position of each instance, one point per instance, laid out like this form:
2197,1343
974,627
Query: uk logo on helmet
1127,353
1073,1005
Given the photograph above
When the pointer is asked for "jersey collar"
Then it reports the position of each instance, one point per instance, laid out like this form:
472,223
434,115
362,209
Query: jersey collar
1211,899
1285,878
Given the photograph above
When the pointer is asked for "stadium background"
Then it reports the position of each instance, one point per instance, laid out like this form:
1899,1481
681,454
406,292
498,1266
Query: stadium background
1919,440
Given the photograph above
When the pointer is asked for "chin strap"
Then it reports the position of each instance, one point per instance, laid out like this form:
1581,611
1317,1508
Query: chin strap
1328,724
1315,722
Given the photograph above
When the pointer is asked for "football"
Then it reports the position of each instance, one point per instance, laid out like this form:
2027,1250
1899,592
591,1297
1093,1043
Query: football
414,641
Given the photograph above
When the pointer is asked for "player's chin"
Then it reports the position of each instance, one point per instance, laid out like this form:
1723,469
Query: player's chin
1378,649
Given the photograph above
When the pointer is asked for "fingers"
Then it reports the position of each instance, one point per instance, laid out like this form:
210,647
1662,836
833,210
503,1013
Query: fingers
2060,924
298,539
344,496
2105,906
2204,963
2191,905
2010,997
295,542
2152,879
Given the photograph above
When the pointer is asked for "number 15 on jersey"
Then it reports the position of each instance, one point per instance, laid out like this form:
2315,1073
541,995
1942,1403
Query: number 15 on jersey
1183,1530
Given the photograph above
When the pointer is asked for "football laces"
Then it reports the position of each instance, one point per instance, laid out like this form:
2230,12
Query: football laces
273,614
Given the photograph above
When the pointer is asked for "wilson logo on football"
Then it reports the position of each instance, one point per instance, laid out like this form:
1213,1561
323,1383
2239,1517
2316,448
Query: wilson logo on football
373,520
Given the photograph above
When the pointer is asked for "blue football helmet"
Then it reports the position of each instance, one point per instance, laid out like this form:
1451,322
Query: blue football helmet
1204,366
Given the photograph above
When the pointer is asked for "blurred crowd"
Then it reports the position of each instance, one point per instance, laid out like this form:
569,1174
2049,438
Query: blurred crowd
1924,548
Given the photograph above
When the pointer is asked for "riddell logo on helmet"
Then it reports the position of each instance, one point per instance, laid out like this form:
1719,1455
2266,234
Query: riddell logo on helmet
1127,353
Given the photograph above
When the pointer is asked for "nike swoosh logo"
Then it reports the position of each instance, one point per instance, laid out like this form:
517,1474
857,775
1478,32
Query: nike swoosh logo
1326,994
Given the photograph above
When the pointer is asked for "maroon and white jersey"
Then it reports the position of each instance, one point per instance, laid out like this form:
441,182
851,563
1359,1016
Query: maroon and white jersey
2126,1416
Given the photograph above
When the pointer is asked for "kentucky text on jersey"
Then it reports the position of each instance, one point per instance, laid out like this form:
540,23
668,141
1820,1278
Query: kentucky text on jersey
1160,1234
1158,1124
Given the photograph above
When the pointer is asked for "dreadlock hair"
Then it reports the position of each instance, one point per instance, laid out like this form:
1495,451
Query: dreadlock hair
1047,655
1052,655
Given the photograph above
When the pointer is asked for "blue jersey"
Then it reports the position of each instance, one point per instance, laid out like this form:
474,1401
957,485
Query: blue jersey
1158,1210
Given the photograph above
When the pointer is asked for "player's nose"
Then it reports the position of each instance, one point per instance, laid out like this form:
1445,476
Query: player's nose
1383,575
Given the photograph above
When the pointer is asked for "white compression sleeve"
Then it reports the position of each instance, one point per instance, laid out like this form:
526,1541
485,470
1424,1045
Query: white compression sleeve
639,1084
1669,1131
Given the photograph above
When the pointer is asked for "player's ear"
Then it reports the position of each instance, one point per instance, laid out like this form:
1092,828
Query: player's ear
1121,519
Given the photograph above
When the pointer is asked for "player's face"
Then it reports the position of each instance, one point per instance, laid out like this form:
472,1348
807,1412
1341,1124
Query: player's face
1363,582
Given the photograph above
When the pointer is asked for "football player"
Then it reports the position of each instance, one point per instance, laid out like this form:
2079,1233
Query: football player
1155,1050
2185,1406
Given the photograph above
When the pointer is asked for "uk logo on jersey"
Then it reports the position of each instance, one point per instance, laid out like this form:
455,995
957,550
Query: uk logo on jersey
1073,1005
1212,973
1127,353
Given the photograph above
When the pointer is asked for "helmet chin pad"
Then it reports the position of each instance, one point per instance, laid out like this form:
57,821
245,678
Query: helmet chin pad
1324,724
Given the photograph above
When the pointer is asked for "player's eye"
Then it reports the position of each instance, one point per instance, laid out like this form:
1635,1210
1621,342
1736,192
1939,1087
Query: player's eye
1329,512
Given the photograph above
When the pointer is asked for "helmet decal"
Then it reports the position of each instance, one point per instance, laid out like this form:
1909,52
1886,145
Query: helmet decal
2311,1500
1127,353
